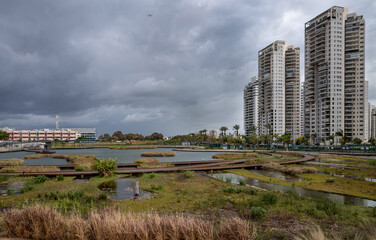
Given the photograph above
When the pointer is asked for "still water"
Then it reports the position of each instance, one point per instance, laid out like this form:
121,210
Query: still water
123,156
345,199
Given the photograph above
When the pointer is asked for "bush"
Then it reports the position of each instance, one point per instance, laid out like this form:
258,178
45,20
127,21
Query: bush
105,167
258,212
149,175
228,179
60,178
329,180
269,198
232,190
189,174
4,178
39,179
329,207
10,170
241,182
253,191
156,187
102,196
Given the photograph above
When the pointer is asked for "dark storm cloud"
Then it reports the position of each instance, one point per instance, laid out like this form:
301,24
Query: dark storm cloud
107,64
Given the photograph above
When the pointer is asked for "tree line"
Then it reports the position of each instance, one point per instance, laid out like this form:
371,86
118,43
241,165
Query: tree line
119,136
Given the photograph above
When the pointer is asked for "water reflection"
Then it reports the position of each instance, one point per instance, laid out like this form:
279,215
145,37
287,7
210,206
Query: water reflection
279,175
345,199
121,189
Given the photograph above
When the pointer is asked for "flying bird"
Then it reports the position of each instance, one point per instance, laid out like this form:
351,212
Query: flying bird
149,15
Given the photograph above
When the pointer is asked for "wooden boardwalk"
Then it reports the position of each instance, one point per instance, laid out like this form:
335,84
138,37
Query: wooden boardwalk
178,166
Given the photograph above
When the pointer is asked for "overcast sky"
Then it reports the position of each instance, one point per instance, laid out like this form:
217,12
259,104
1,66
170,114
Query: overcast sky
142,66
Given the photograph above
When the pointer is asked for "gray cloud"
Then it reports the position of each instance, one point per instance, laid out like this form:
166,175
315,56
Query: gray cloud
111,66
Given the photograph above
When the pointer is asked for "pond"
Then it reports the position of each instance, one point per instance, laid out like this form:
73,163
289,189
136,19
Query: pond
349,176
123,156
11,188
345,199
288,178
121,189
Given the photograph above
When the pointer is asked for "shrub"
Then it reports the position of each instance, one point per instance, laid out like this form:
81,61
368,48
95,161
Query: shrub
253,191
228,179
232,190
329,207
329,180
189,174
149,175
102,196
105,167
269,198
10,170
39,179
156,187
60,178
241,182
4,178
258,212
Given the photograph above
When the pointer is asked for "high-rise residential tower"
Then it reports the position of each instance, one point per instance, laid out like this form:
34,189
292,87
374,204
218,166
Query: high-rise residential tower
292,92
279,95
335,96
251,107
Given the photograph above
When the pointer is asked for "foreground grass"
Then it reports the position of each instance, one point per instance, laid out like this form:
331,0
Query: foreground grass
276,215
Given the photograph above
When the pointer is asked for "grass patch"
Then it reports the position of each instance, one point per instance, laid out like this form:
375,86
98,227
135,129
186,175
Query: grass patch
289,169
158,154
11,162
189,174
30,168
146,160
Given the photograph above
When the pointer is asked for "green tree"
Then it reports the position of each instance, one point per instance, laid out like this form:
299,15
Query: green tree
285,139
357,141
236,127
252,129
314,137
223,130
4,135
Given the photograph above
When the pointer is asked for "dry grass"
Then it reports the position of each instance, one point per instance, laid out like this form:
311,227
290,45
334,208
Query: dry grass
35,223
157,154
133,147
234,155
11,162
288,169
46,223
157,165
31,168
75,159
236,228
145,160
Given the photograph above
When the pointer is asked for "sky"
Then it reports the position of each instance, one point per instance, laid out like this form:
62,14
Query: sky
145,66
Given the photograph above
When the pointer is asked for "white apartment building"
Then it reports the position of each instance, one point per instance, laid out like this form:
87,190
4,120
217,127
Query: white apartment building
251,106
274,74
335,96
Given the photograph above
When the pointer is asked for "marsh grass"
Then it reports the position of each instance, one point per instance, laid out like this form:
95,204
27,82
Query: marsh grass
46,223
146,160
30,169
11,162
289,169
158,154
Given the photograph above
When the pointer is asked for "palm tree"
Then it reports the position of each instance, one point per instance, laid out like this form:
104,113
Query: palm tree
339,134
269,127
236,127
223,130
252,129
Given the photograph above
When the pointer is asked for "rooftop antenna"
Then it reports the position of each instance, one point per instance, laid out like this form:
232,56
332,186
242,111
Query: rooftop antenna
57,122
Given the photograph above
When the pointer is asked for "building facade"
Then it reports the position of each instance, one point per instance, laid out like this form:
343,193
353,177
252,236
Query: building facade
335,96
251,107
41,135
292,92
279,89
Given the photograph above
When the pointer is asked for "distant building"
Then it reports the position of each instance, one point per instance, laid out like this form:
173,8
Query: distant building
213,133
251,106
90,134
41,135
372,120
